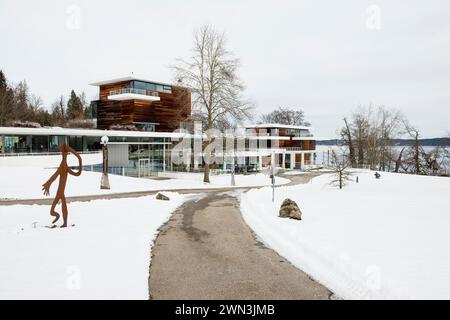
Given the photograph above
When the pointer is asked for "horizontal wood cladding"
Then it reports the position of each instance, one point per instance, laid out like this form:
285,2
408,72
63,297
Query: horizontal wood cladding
169,111
106,89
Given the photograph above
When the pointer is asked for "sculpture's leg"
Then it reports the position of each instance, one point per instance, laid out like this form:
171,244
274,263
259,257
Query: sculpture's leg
52,210
64,211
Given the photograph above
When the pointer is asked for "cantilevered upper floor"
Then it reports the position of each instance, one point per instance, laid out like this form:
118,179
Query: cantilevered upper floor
144,104
277,129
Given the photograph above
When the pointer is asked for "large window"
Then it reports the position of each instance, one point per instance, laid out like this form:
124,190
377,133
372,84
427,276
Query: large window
297,132
145,126
17,144
39,143
55,142
141,85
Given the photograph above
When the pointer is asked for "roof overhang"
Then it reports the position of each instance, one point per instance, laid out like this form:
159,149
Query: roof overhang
128,78
303,138
276,126
132,96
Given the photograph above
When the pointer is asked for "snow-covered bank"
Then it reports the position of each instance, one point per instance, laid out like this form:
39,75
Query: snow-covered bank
106,255
385,239
26,183
48,161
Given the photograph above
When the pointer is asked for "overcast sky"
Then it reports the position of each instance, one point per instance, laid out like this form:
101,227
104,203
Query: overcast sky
325,57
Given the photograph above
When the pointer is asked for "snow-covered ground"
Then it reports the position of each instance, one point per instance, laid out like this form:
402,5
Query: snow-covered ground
106,255
48,161
386,238
26,183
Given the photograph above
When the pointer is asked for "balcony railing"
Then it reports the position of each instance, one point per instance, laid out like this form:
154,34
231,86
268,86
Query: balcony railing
134,91
293,149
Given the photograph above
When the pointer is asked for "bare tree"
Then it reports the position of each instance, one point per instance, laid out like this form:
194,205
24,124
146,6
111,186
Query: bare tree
36,104
341,175
415,152
59,113
211,75
369,137
346,135
285,116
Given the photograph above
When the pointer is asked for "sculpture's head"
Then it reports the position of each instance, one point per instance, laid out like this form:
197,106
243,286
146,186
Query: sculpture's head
64,149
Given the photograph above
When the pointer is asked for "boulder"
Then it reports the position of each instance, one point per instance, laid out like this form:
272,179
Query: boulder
289,209
160,196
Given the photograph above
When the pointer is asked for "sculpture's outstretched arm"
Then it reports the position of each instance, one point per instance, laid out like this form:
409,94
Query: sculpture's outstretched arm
46,186
80,163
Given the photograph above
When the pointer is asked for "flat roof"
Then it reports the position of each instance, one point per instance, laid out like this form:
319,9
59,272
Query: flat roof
276,125
58,131
127,78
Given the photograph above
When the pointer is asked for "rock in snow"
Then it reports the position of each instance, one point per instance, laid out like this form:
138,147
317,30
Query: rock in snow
290,209
160,196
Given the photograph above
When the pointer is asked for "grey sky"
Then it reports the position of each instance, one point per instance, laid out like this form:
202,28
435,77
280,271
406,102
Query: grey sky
317,55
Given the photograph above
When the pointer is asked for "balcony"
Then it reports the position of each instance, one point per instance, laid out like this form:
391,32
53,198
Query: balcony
133,94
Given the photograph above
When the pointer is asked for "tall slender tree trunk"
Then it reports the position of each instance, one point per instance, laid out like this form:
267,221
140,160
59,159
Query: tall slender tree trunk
416,153
398,162
351,147
206,167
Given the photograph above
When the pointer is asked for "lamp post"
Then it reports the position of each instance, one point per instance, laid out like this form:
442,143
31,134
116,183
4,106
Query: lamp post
104,183
233,182
272,173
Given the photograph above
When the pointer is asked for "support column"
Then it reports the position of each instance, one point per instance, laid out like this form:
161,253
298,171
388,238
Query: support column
302,163
260,163
283,164
292,156
188,160
164,157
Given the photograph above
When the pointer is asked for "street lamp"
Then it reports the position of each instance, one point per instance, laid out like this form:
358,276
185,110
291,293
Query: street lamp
233,164
272,173
104,183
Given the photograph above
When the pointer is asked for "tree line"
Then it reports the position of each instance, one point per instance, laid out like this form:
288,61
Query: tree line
369,136
19,107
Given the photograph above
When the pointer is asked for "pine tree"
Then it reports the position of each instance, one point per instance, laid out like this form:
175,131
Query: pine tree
2,80
75,108
6,101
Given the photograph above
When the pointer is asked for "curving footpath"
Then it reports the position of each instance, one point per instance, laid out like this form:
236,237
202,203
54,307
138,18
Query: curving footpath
206,251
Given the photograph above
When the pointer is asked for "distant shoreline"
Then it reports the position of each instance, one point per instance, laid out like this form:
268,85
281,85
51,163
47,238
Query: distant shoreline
433,142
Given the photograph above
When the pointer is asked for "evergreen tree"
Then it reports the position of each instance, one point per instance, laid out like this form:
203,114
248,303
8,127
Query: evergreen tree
2,80
75,108
6,101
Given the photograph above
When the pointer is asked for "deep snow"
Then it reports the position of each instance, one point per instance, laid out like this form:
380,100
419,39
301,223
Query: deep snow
106,255
379,239
26,182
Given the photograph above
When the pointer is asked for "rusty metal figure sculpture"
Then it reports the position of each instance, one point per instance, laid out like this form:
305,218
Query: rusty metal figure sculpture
63,171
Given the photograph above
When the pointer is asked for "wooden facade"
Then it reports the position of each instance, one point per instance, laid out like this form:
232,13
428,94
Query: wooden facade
167,113
302,144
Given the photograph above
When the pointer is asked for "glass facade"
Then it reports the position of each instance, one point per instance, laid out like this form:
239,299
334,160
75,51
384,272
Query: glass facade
46,143
145,126
17,144
298,132
141,85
